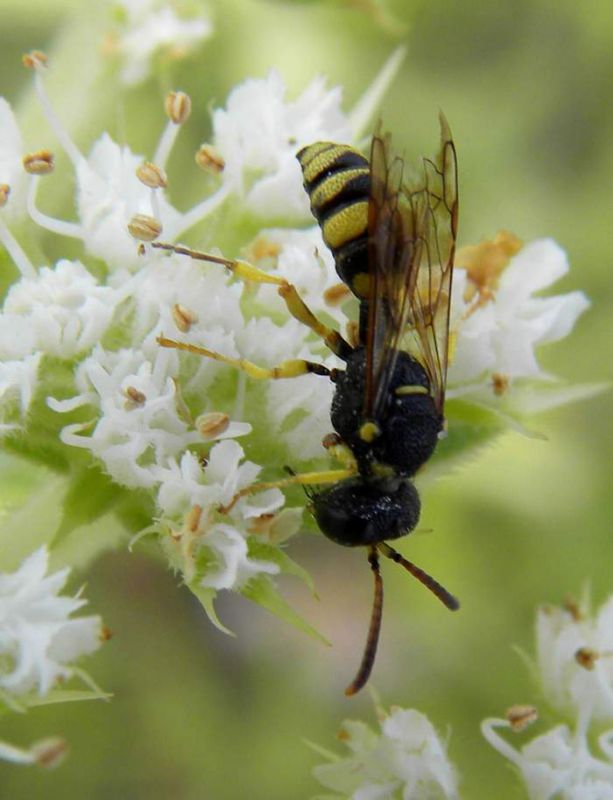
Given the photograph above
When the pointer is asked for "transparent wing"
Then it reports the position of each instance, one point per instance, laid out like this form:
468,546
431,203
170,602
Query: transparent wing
412,231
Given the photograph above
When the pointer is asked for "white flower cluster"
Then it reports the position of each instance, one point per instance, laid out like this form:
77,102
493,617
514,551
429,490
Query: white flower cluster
406,759
576,671
149,27
38,637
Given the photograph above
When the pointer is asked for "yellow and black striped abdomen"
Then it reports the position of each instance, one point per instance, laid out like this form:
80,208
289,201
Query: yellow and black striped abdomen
337,180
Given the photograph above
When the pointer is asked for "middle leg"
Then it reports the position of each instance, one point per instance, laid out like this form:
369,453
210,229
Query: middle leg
292,368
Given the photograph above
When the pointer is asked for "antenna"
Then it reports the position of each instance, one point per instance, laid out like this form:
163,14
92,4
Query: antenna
428,581
368,659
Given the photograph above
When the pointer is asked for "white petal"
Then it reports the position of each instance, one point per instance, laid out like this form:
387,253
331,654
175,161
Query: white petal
38,639
536,266
555,317
259,503
18,381
234,567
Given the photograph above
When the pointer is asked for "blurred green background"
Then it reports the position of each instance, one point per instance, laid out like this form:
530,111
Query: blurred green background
526,86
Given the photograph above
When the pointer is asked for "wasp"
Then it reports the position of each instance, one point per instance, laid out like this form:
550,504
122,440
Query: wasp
393,238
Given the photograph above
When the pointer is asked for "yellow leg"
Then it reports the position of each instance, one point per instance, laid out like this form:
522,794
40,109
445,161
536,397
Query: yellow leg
305,479
300,311
286,369
335,446
295,304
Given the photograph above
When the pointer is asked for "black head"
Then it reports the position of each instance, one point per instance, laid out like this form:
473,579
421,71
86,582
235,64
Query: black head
363,511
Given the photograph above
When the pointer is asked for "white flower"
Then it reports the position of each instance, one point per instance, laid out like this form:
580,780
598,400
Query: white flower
233,566
187,484
207,297
37,637
152,26
108,195
574,660
407,759
203,489
64,308
300,406
226,470
259,133
556,765
139,425
11,167
498,321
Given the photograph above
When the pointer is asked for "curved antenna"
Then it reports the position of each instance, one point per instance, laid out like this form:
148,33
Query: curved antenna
428,581
368,659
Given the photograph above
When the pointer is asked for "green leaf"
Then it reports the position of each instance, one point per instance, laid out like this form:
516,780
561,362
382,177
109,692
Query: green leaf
261,590
83,544
207,596
67,696
33,524
73,518
287,565
90,495
32,700
39,440
20,478
471,428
